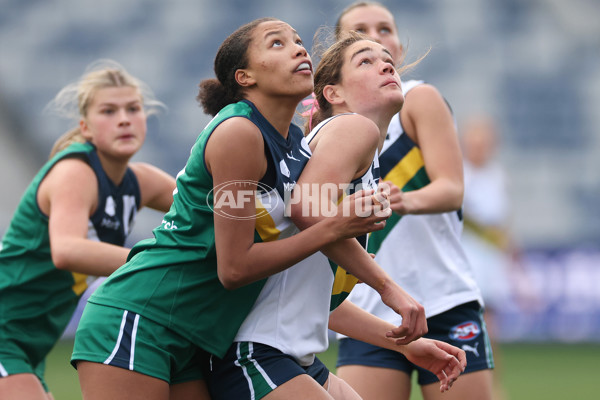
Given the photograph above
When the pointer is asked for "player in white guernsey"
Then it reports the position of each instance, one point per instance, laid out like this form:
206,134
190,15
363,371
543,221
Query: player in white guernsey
358,91
420,246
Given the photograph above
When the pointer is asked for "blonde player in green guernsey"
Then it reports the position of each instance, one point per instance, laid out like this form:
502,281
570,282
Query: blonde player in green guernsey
420,246
147,330
73,219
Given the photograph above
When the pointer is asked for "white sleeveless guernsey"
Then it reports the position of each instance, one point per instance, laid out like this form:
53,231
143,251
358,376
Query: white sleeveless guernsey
422,253
291,313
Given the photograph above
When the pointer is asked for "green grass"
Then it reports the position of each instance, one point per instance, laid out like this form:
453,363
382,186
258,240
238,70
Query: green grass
528,371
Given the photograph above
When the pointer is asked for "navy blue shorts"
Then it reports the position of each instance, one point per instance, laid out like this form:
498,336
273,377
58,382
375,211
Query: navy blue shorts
462,326
253,370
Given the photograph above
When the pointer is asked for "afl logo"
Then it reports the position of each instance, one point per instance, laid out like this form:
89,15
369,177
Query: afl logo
465,331
224,198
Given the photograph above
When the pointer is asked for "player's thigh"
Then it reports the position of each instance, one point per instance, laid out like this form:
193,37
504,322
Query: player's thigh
196,390
100,381
376,382
472,386
340,389
22,387
300,387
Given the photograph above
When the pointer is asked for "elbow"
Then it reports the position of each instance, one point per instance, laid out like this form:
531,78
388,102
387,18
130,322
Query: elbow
458,197
455,203
295,212
60,259
453,196
230,278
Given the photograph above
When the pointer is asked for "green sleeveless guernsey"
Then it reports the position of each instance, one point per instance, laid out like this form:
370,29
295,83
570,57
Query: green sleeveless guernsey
172,278
37,300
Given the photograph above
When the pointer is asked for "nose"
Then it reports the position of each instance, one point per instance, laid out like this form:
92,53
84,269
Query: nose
387,68
301,51
373,33
123,118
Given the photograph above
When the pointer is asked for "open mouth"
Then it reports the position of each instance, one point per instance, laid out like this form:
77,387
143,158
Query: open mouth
305,66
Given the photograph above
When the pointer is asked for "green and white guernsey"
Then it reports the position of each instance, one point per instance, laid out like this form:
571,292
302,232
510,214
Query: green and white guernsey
172,278
291,313
422,253
37,300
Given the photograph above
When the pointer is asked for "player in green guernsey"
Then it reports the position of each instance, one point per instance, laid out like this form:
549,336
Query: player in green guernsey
72,221
148,327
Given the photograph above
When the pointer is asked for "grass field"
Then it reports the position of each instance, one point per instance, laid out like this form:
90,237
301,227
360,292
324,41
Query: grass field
529,371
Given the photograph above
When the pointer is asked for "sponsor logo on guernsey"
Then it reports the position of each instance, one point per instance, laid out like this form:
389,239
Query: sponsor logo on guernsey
466,331
170,225
108,223
110,208
290,155
284,169
289,186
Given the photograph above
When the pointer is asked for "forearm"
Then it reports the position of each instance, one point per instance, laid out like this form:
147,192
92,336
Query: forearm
89,257
441,195
352,321
348,253
351,256
264,259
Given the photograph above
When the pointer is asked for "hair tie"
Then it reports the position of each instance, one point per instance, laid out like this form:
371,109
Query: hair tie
314,105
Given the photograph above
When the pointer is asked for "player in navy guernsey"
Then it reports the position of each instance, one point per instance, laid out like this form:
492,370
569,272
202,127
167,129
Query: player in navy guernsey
72,222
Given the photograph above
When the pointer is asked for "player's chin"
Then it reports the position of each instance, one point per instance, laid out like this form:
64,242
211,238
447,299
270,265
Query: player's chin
124,153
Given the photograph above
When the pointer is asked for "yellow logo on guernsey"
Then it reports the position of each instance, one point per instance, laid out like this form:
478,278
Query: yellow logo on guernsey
406,169
343,282
271,220
265,226
80,284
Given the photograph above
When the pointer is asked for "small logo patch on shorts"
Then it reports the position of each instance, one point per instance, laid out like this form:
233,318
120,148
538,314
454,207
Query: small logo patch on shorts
466,331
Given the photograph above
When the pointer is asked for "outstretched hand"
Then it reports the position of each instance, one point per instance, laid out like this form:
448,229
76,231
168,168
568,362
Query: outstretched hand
447,362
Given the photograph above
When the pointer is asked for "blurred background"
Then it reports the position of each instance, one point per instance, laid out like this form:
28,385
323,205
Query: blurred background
532,66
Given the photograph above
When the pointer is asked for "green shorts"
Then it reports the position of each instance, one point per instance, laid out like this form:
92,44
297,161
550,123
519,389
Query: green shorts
13,360
128,340
25,341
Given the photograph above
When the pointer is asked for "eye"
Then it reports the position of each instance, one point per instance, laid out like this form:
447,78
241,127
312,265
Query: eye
134,109
365,60
277,43
385,30
107,111
361,30
299,42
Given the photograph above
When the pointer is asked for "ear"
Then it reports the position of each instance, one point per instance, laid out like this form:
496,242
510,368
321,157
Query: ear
85,130
333,94
244,78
